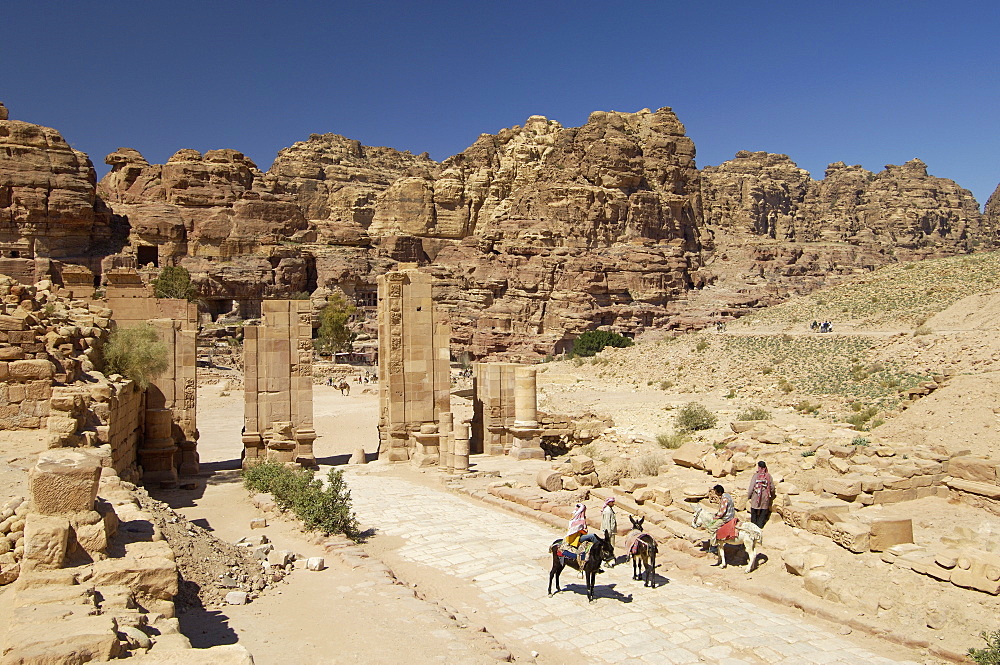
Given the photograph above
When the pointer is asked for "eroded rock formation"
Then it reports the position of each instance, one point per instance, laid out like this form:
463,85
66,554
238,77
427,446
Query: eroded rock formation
535,233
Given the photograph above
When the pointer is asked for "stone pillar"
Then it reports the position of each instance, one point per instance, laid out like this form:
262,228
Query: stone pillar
526,432
446,425
493,407
414,376
427,452
278,413
460,457
156,454
63,487
525,397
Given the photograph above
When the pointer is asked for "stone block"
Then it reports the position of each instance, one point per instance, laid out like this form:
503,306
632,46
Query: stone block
570,483
549,480
978,570
870,483
236,598
817,582
582,464
589,480
644,494
843,488
78,639
740,426
662,496
690,455
64,481
280,558
31,370
46,540
852,536
225,654
973,468
887,533
152,576
258,523
315,563
630,485
988,490
894,496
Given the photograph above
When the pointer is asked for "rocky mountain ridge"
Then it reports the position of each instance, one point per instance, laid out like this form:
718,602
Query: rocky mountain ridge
535,234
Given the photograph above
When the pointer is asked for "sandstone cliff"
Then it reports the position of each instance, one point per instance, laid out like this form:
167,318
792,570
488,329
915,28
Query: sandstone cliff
535,233
48,209
777,231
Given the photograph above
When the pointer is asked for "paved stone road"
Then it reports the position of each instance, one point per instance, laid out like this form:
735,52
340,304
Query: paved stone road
668,625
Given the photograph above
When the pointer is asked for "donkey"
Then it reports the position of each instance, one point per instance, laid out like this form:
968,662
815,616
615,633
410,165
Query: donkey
747,533
601,552
642,551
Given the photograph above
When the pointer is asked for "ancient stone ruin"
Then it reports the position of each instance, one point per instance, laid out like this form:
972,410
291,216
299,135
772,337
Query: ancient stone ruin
278,414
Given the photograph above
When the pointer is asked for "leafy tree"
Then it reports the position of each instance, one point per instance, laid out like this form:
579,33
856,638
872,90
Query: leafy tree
136,353
591,342
334,334
174,282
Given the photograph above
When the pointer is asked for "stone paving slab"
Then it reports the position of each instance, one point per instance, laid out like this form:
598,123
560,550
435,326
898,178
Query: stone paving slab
675,623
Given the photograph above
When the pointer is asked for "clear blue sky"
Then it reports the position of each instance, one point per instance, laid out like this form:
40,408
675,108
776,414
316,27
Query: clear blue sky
871,83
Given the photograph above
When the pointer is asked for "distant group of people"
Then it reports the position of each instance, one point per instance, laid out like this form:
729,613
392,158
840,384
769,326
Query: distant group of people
720,326
760,496
821,326
367,377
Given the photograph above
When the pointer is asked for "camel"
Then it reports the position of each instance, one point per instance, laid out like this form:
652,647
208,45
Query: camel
344,387
748,534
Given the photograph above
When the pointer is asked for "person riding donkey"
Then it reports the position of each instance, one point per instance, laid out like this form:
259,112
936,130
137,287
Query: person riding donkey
723,524
577,537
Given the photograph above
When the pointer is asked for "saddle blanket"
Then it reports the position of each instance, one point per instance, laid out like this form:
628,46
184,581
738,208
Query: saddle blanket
727,531
568,552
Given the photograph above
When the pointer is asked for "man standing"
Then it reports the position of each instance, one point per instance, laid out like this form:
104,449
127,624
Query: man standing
609,523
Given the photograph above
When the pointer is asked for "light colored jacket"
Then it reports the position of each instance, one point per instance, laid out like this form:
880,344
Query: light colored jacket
609,522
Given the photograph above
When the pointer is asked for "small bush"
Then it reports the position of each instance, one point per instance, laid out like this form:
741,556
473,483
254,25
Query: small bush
673,440
860,441
922,330
664,385
808,453
766,370
804,407
701,345
991,654
860,418
321,507
647,464
593,341
695,416
785,386
599,361
755,413
577,362
136,353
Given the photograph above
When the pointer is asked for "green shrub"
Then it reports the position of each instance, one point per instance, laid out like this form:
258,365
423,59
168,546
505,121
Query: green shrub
701,345
804,407
755,413
860,441
577,362
922,330
785,386
174,282
991,654
808,453
664,385
136,353
695,416
593,341
673,440
766,370
321,507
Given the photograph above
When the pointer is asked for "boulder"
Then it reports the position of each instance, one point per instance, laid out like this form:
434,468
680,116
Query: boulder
630,485
46,539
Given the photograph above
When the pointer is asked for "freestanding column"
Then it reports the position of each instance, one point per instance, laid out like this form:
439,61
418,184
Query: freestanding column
526,433
460,458
525,397
446,425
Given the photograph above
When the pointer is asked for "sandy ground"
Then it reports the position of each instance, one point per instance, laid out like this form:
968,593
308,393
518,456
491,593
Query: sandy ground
343,614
